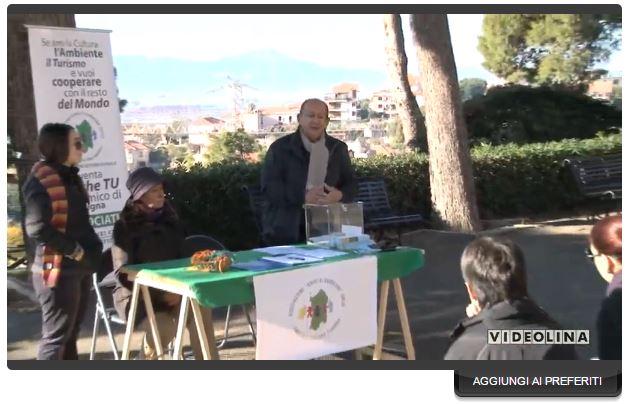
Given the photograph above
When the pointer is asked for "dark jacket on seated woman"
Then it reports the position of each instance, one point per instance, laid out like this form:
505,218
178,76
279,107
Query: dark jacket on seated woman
152,237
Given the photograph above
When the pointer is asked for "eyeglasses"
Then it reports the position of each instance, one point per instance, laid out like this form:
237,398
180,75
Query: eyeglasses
78,145
589,254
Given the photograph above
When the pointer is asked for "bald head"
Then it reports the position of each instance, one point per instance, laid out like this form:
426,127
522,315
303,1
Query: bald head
313,118
314,101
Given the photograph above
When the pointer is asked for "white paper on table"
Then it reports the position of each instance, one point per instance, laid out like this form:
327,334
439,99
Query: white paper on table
318,310
351,230
279,250
322,253
292,259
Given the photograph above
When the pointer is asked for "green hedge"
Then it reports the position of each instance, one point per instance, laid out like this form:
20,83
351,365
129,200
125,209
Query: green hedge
510,180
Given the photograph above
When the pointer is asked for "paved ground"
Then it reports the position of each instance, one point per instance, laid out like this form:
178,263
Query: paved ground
561,280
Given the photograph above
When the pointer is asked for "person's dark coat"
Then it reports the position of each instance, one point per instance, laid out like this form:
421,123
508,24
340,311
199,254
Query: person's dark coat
79,230
609,322
145,239
284,178
469,339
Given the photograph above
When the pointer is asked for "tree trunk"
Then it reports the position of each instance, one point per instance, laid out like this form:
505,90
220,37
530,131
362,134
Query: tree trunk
451,179
21,120
411,117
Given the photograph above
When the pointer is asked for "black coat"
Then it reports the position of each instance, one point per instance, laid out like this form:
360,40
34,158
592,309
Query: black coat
469,338
284,178
41,232
609,323
145,239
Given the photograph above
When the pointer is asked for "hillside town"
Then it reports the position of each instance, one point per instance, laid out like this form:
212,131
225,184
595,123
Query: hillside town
360,122
366,122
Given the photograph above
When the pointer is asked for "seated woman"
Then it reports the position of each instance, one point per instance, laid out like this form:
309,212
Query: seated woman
605,251
149,230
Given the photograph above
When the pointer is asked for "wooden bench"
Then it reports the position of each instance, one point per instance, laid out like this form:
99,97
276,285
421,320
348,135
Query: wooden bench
598,177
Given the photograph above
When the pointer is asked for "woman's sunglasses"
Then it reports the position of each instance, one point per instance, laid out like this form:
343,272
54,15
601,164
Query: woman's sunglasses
590,254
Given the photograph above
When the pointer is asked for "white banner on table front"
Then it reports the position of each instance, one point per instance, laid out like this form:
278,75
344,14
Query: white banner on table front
73,82
318,310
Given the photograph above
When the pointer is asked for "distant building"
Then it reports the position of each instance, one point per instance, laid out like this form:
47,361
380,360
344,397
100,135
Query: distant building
343,103
375,132
200,131
141,129
273,118
205,125
340,134
359,148
383,102
136,154
603,89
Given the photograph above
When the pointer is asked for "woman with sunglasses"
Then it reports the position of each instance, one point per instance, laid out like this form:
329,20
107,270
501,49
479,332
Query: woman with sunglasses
149,230
605,251
63,248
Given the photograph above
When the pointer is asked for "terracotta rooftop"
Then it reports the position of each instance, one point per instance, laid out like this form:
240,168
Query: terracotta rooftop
345,87
134,145
208,120
278,109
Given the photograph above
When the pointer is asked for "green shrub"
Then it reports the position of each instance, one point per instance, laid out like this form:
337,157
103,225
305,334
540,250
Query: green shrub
518,180
522,114
209,201
510,180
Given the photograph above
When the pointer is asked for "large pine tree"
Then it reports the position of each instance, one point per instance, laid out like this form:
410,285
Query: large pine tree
450,165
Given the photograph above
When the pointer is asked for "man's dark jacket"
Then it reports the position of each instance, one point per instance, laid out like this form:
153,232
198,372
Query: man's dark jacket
284,177
469,339
41,232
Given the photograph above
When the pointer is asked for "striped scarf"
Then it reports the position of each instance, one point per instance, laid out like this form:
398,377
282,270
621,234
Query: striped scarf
50,179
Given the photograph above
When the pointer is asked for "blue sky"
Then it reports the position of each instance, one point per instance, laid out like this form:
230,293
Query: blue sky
180,59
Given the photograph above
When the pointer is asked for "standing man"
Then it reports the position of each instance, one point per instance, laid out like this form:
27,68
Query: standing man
307,166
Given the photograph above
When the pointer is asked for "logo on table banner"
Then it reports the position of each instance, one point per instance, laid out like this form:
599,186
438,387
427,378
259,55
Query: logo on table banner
317,308
91,132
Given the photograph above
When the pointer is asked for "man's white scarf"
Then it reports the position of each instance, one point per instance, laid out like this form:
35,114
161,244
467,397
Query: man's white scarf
318,165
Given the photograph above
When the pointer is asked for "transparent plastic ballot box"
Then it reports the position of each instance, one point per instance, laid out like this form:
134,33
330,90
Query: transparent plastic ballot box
324,223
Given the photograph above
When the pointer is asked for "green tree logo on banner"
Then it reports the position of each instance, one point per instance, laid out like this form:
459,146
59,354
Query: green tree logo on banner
87,135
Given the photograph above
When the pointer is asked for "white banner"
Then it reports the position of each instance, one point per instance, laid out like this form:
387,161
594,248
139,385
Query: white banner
73,81
315,311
